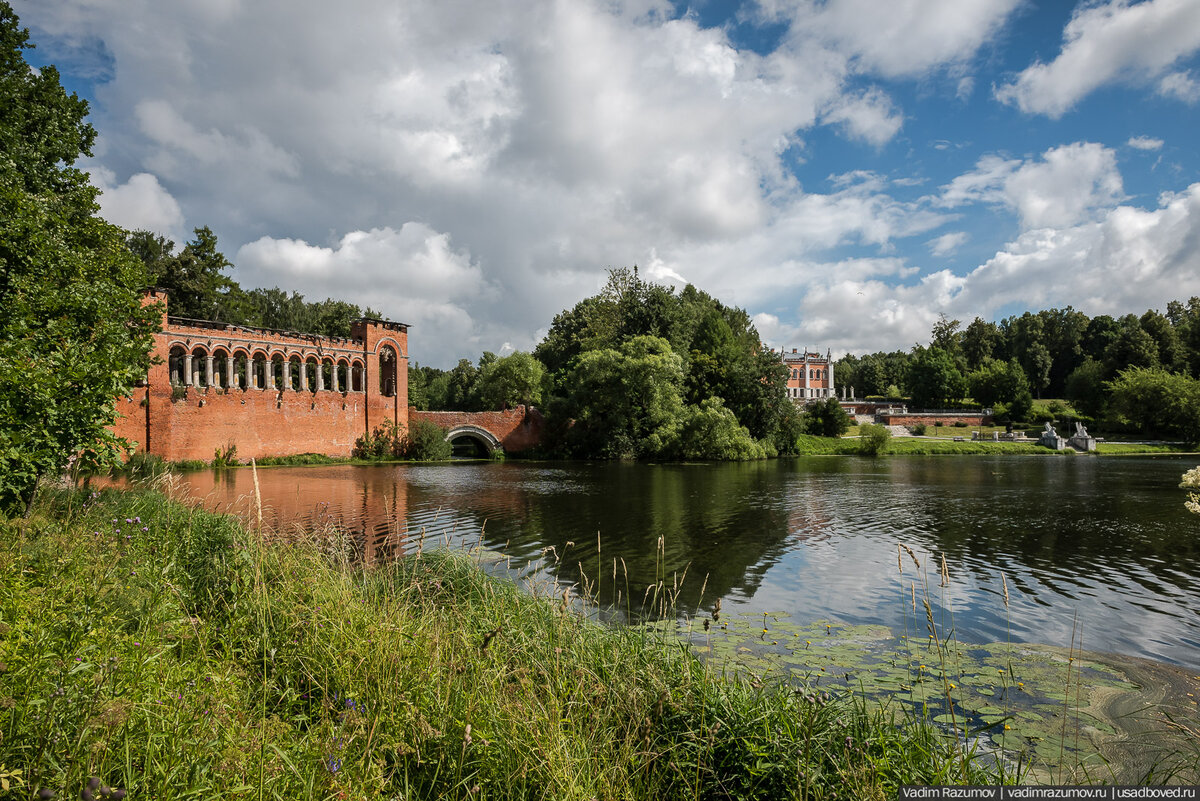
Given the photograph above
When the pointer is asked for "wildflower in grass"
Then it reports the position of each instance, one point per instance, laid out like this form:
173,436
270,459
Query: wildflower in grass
333,763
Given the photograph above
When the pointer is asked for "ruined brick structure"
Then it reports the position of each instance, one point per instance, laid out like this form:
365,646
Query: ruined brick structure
269,393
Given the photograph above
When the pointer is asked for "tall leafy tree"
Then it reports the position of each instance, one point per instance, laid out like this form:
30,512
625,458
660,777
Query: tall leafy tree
73,332
933,379
511,380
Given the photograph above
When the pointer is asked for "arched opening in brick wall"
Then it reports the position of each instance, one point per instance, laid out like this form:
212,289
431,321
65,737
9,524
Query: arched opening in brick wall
311,369
387,371
295,374
356,376
343,375
472,441
275,376
258,371
327,374
175,365
241,370
220,371
200,375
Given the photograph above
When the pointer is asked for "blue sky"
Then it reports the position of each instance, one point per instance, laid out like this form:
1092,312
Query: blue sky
845,170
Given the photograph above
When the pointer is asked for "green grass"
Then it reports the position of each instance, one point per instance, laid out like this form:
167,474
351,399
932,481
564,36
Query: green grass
897,446
167,652
1116,448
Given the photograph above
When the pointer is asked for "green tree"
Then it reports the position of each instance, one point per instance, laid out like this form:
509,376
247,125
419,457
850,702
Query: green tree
933,380
514,379
710,431
1085,388
826,418
73,333
999,382
1132,347
418,387
980,341
1157,402
625,403
946,337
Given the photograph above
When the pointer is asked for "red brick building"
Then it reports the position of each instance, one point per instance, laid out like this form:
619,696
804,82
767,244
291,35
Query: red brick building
268,393
810,375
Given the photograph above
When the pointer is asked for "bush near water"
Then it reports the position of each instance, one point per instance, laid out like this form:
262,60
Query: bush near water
166,652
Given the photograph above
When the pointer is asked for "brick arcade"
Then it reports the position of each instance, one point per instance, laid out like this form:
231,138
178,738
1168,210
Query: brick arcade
269,393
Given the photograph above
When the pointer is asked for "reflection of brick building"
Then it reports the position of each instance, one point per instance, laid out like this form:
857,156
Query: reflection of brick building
810,375
269,393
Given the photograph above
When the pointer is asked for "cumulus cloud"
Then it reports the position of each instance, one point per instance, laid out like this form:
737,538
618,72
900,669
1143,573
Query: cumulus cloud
1129,259
413,272
1109,42
139,203
1067,185
870,116
481,163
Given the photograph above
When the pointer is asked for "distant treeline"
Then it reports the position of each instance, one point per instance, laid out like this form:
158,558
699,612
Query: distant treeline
199,288
1112,369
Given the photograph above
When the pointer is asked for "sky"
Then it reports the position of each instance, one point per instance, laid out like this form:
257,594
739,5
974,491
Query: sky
844,170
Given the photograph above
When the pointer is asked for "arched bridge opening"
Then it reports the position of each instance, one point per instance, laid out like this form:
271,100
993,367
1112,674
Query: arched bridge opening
472,441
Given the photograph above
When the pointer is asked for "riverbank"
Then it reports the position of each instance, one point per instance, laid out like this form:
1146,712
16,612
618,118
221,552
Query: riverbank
927,446
166,651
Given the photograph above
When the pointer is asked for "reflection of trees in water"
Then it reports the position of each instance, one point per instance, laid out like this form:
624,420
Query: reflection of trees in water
721,525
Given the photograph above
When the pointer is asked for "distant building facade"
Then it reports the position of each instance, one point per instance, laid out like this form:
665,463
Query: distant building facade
810,375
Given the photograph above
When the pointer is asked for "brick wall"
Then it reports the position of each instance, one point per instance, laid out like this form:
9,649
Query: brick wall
912,419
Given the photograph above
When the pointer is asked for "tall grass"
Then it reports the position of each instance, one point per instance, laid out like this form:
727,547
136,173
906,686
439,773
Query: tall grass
168,653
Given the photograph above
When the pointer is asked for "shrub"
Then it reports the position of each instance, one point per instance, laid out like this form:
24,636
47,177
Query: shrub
960,424
225,457
874,438
918,430
425,442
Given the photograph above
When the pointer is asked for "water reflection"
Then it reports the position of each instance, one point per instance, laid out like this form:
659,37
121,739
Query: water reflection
1101,545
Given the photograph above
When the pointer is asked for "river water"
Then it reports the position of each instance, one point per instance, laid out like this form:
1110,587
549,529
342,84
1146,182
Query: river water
1095,551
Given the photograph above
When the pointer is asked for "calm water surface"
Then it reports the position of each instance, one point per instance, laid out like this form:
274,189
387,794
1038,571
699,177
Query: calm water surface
1101,546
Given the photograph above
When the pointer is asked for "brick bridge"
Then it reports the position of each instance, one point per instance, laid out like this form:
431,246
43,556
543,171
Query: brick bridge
512,429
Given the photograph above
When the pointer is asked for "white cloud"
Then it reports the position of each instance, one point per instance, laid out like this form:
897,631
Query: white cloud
1145,143
1069,184
1181,86
900,38
870,116
141,202
1105,43
412,272
1128,260
947,244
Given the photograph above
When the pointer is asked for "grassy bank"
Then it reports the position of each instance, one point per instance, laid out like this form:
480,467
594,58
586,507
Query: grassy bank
165,652
917,446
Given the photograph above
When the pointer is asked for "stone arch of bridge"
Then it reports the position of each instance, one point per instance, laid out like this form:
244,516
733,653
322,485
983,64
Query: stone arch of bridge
477,434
